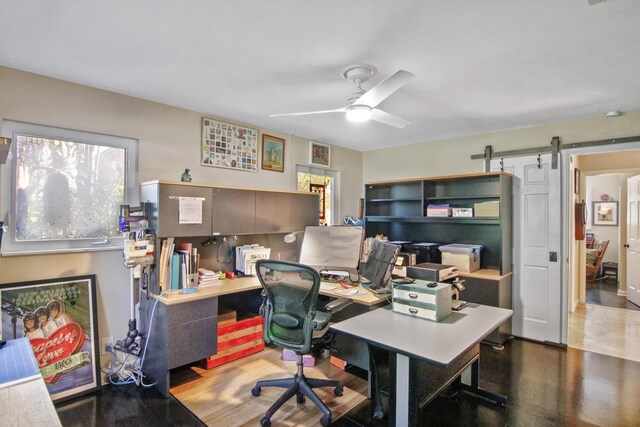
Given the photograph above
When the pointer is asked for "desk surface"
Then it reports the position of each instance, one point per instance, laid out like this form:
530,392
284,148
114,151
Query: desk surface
24,398
438,343
232,286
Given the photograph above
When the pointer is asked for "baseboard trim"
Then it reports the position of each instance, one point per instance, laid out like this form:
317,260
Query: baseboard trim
622,293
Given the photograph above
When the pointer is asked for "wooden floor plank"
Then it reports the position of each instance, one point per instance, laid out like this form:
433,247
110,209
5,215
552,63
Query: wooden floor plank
222,396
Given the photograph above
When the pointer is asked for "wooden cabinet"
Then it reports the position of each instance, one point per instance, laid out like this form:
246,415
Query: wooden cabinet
304,210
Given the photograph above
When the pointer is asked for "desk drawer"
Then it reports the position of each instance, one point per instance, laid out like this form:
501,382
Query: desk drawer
412,295
423,311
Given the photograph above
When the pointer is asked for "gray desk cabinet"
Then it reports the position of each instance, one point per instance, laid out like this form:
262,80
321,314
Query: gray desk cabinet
180,334
234,211
304,210
273,212
165,217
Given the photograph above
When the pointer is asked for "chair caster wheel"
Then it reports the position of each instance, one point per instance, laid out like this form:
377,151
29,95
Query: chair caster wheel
300,398
325,421
265,422
338,391
256,391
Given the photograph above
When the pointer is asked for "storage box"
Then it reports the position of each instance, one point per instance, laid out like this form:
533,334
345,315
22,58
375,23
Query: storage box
226,316
237,340
462,212
419,300
466,258
487,209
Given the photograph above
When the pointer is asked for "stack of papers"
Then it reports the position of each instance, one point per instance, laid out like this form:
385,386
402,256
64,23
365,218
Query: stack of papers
248,255
208,277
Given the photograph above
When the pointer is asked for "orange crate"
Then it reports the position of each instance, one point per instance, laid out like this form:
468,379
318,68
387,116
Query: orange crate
237,340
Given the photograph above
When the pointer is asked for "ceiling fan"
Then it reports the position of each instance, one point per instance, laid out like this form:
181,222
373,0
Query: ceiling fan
361,105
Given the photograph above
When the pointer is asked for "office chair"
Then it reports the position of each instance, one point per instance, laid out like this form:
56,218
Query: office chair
290,319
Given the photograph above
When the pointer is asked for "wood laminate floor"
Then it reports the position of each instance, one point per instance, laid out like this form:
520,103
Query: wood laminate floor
605,292
545,385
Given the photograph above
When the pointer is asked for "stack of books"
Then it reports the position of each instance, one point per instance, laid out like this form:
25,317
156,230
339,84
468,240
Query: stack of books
438,211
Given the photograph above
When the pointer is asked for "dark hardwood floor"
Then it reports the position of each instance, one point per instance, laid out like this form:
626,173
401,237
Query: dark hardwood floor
545,385
605,292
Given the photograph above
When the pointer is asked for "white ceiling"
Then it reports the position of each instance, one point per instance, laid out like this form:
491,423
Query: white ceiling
480,66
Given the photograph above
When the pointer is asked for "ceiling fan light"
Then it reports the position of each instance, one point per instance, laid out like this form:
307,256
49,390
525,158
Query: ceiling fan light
358,113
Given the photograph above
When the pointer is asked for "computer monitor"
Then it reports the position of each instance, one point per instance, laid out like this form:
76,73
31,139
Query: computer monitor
333,249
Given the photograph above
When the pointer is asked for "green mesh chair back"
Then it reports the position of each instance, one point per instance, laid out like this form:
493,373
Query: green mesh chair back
292,293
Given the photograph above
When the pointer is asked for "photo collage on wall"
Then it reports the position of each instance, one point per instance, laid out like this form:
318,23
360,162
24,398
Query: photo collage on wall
225,145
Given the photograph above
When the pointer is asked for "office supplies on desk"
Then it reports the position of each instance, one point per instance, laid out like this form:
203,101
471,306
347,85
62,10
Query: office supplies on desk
431,271
427,300
327,287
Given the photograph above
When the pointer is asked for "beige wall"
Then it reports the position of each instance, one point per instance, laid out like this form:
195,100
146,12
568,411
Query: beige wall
169,142
454,156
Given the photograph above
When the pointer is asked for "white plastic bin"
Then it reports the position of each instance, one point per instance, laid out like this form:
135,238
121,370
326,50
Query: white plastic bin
466,258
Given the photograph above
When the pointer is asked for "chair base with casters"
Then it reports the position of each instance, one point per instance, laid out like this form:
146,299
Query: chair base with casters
301,387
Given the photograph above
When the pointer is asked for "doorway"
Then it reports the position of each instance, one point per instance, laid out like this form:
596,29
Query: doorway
600,319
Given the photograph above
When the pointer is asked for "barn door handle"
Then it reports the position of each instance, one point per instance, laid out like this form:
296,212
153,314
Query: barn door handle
553,256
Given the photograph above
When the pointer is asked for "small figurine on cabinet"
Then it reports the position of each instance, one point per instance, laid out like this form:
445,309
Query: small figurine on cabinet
186,177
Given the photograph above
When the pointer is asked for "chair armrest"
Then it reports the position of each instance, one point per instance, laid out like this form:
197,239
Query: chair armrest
338,304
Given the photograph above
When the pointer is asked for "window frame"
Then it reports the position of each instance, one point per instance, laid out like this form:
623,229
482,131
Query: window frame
335,187
11,129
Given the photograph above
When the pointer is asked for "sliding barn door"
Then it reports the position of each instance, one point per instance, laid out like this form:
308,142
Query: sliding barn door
537,289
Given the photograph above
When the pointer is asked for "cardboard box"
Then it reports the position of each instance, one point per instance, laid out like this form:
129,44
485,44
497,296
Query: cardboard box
466,258
462,212
237,340
487,209
226,316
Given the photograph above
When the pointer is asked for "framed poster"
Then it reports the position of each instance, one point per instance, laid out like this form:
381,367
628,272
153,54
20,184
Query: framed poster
272,153
60,319
225,145
605,213
319,154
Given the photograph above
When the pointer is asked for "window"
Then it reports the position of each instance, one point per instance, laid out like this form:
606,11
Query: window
324,183
62,189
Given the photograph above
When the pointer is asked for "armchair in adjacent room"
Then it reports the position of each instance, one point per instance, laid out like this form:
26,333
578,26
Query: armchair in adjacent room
290,319
595,255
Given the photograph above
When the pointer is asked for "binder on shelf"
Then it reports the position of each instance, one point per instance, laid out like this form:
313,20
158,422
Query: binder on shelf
175,271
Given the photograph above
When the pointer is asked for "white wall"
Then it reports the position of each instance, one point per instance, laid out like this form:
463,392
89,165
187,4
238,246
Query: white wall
169,142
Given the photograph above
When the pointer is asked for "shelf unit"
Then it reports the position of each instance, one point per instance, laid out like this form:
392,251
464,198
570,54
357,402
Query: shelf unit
397,209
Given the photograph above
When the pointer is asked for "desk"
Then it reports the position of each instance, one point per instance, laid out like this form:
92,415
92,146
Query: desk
452,343
24,398
183,328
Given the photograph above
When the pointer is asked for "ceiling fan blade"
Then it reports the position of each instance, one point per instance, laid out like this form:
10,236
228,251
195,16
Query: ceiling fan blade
339,110
388,119
385,88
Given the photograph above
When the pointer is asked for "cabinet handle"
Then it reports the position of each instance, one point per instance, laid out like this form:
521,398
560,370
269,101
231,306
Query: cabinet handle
413,296
413,311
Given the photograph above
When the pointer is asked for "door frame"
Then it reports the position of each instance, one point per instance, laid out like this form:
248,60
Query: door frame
566,191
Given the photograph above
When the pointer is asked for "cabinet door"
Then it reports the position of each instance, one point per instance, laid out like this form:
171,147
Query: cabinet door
273,212
183,211
305,210
234,211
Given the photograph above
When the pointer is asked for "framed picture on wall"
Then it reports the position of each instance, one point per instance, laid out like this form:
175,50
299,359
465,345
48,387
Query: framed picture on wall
272,153
319,154
605,213
225,145
59,317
